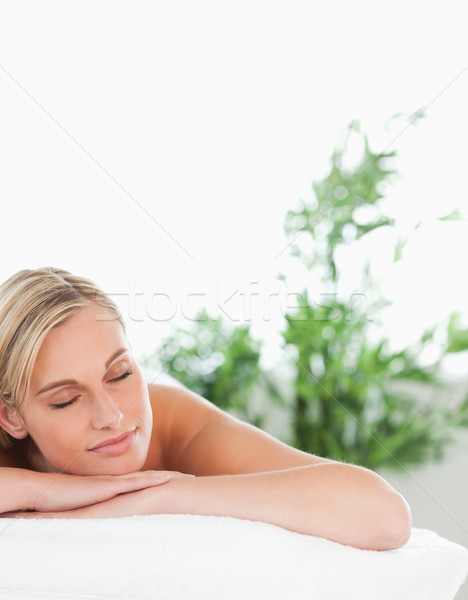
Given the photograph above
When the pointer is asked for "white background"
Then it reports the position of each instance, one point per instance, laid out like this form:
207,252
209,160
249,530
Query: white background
215,118
155,147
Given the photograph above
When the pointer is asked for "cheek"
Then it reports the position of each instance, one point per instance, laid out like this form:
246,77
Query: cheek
142,402
57,435
140,412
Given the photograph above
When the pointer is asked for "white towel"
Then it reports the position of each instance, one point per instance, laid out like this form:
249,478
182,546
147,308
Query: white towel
179,557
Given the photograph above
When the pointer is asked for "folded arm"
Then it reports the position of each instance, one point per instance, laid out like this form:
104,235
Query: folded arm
243,472
342,503
25,490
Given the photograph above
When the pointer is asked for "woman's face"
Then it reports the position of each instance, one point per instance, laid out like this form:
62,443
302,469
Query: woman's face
88,409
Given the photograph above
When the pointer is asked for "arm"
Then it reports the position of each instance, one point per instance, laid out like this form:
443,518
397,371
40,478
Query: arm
245,473
342,503
249,474
345,504
24,490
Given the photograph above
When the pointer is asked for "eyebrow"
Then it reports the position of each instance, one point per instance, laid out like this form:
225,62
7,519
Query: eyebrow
61,383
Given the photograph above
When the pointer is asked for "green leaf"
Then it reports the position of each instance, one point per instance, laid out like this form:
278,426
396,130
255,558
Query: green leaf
348,396
455,215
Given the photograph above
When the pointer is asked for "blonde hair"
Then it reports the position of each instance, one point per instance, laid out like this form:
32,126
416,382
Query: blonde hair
32,302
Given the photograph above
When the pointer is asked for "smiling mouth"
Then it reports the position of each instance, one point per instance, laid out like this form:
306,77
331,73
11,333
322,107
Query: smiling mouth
115,446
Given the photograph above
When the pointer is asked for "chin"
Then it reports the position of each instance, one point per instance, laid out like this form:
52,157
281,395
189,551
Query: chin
118,465
123,468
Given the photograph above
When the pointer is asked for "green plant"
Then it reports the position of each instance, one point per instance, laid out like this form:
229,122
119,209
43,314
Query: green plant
354,399
218,361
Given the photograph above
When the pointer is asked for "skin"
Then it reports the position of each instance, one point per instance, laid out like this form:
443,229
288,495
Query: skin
236,469
63,435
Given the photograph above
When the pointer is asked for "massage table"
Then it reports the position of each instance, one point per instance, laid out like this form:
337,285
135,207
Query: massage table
169,557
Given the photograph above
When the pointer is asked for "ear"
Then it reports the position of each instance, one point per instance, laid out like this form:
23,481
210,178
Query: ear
11,422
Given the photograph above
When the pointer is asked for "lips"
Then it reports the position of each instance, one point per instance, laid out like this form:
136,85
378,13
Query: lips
115,446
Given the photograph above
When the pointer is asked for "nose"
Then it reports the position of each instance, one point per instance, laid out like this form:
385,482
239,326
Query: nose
106,413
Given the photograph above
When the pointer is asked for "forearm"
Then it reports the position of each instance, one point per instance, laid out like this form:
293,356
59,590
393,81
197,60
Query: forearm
62,493
18,488
339,502
343,503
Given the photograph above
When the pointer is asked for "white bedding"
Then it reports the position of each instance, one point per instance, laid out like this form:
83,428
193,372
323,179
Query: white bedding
183,557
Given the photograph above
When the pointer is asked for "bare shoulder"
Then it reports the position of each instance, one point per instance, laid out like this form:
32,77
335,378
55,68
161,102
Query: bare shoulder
170,404
179,415
171,399
199,438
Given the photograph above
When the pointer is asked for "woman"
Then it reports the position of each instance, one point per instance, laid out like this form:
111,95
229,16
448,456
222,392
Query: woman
83,435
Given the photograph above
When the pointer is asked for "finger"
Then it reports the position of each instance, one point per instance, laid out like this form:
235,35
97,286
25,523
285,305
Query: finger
143,474
139,483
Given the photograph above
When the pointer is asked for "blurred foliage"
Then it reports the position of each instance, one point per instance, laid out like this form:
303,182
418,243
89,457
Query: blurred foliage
218,361
354,399
359,402
457,336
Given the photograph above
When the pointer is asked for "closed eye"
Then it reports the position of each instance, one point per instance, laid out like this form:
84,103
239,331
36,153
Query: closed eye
123,376
73,400
64,404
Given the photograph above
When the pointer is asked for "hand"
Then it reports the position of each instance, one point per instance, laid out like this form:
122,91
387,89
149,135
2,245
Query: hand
63,492
141,501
